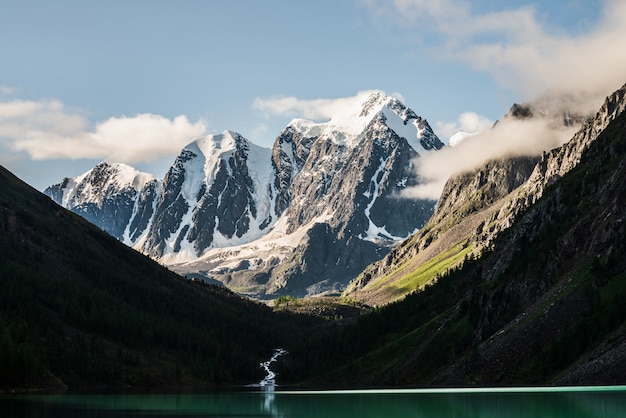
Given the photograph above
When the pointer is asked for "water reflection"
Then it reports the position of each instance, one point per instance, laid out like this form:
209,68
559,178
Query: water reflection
268,404
517,404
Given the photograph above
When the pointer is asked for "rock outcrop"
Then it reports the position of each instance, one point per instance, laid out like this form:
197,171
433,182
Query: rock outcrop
477,206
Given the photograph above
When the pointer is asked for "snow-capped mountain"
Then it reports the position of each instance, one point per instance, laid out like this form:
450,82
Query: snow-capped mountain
305,216
217,194
116,197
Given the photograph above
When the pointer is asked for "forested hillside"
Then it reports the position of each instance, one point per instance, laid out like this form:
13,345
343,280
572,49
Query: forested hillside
80,309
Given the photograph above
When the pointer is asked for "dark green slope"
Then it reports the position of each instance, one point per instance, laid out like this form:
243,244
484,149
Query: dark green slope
554,315
79,308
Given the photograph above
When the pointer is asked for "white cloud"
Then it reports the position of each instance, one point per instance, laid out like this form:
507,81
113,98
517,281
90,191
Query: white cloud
47,130
545,65
470,122
510,137
7,90
516,49
314,109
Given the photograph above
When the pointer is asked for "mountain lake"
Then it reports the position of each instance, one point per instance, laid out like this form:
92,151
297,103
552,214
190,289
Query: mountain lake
545,402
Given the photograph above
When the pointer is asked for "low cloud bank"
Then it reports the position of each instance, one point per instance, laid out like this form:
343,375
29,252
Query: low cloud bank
47,130
470,122
509,137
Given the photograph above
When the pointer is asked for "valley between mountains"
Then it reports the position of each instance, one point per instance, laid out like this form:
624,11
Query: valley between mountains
302,218
516,275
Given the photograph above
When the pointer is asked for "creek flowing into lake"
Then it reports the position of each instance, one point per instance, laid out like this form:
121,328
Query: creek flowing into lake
269,381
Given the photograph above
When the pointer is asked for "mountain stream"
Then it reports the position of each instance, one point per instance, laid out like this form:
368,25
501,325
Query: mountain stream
269,381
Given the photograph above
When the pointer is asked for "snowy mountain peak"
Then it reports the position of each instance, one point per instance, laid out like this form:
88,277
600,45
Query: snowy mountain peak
122,174
354,116
116,197
202,156
350,117
374,101
103,179
215,144
127,175
347,117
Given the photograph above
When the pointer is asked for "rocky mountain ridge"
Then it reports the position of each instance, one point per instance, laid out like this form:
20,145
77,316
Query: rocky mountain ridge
323,202
559,267
541,304
476,206
115,195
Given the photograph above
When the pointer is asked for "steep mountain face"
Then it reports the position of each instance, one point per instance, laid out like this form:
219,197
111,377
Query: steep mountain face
459,227
289,153
325,200
349,188
475,207
556,277
542,304
558,162
116,197
216,194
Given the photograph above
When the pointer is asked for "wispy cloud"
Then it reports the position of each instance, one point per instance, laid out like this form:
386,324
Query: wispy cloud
555,70
7,90
516,48
46,130
510,137
470,122
314,109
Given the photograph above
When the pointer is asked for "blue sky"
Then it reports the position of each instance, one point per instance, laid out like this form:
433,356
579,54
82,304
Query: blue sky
134,80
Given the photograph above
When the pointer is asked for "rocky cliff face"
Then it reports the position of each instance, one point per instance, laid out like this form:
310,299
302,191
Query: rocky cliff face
541,305
553,166
215,194
116,197
475,207
289,154
547,295
325,200
351,193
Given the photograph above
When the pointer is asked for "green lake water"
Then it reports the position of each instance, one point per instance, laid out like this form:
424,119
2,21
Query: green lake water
591,402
